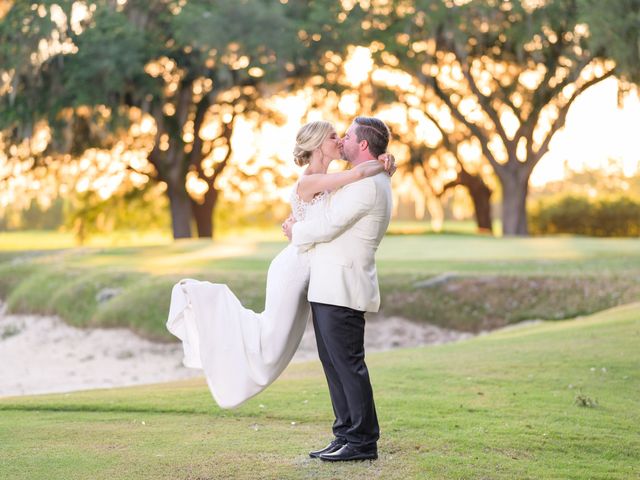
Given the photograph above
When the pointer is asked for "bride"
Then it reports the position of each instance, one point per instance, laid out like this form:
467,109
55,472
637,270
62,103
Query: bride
241,351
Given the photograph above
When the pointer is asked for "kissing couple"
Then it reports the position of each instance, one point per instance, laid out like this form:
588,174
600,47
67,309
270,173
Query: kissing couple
327,271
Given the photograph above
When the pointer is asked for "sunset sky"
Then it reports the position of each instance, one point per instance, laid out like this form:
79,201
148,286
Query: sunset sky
596,131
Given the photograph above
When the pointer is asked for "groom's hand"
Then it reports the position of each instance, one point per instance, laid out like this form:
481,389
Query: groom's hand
389,162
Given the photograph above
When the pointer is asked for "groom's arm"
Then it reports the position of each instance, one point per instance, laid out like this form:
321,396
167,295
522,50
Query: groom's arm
352,203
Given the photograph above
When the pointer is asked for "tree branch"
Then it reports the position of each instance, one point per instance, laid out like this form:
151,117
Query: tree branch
184,94
155,159
504,94
562,116
452,147
544,94
449,185
428,180
146,174
475,130
226,133
196,149
485,102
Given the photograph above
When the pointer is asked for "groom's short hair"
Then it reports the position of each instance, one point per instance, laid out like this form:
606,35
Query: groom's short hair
375,132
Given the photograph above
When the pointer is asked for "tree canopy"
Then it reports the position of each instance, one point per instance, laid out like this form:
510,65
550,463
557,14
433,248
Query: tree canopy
163,84
91,74
505,73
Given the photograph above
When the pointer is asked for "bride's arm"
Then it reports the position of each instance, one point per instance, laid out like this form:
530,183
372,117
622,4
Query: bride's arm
314,183
309,185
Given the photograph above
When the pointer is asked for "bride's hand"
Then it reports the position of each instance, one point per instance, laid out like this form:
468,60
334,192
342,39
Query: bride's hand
287,226
389,163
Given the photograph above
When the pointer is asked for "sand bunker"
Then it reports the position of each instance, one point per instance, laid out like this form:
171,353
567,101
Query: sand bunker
42,354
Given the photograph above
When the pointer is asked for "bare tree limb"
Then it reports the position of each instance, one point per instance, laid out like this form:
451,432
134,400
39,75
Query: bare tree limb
155,158
485,102
475,129
146,174
446,141
449,185
226,133
504,97
544,94
195,156
562,116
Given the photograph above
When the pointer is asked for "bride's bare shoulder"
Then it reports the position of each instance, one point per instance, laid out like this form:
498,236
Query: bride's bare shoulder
302,188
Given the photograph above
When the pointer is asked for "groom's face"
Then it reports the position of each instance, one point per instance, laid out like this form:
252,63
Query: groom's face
350,144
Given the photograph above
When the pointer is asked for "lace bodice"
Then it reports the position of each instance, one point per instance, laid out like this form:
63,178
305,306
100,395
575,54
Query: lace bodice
299,207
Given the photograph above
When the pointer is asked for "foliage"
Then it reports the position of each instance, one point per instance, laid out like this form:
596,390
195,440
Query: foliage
614,29
134,209
34,217
87,214
616,216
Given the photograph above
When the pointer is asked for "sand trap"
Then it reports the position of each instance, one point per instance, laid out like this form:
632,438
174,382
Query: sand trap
42,354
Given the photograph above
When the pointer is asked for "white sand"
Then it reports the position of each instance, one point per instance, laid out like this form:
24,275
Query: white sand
41,354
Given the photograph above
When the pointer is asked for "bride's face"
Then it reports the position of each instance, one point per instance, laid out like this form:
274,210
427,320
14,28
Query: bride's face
331,146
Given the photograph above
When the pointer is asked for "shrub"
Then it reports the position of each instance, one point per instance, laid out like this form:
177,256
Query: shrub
602,217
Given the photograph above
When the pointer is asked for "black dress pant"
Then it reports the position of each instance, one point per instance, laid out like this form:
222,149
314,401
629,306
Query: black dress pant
340,338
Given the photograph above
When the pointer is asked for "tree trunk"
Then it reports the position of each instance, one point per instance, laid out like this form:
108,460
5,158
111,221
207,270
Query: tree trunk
481,196
180,204
203,213
515,187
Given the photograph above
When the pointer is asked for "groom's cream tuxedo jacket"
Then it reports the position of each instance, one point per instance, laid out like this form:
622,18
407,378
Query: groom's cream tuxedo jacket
343,241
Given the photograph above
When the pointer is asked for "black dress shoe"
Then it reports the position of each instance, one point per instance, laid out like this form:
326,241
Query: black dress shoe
336,444
348,452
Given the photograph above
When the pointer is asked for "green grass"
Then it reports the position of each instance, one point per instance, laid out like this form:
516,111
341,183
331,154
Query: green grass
398,253
500,406
492,281
457,227
48,240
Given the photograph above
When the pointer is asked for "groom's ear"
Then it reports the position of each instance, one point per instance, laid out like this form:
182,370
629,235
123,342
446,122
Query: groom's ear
364,145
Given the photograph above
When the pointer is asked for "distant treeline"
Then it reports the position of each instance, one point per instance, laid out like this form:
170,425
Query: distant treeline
613,216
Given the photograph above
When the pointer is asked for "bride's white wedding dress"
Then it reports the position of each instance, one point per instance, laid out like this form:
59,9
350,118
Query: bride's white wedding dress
241,351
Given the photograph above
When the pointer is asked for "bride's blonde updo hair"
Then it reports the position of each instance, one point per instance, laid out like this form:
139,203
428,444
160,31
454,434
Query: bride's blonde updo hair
310,137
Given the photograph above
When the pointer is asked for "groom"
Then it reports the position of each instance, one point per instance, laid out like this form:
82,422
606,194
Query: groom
344,285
